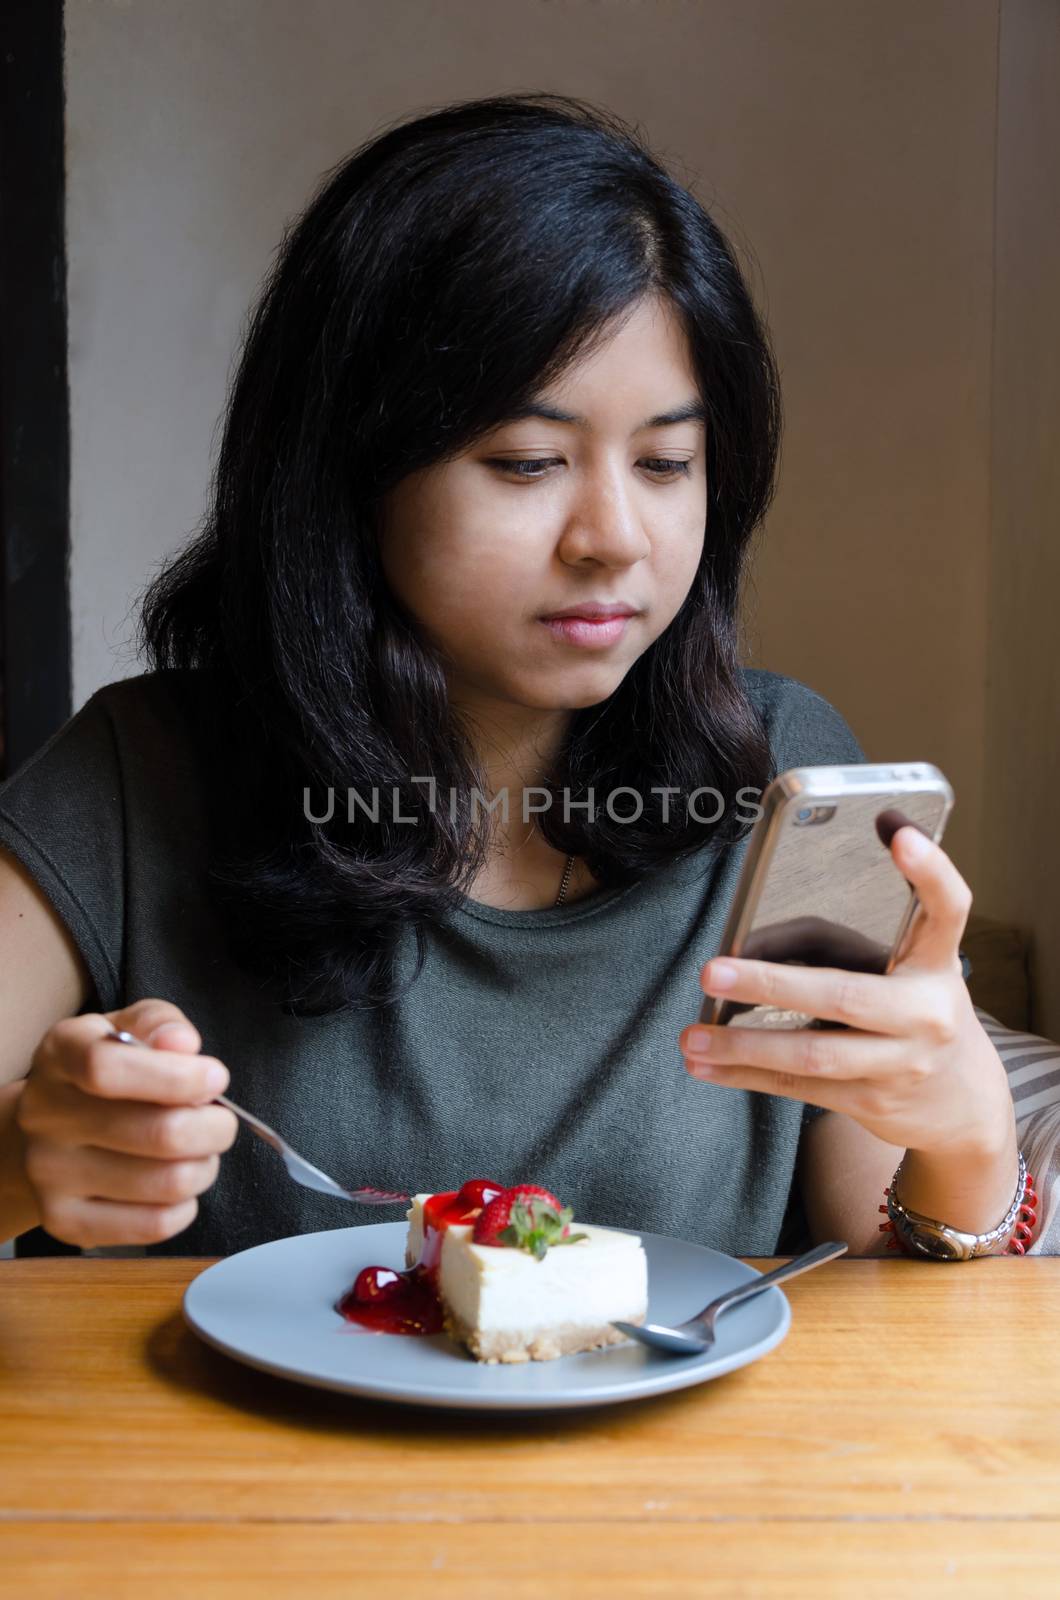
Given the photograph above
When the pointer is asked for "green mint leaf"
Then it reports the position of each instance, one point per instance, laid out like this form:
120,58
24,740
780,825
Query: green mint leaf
535,1224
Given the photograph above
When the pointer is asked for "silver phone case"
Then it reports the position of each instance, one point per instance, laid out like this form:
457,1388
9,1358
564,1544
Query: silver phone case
839,867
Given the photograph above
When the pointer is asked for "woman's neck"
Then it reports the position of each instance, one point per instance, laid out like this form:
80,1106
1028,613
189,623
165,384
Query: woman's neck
516,747
529,881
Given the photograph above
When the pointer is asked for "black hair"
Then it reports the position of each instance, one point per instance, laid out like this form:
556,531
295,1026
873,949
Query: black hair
441,275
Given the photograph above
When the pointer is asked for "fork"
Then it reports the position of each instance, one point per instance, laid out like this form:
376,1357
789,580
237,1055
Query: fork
696,1336
301,1170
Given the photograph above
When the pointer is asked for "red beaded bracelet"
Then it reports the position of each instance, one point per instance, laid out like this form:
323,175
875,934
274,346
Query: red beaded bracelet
1027,1217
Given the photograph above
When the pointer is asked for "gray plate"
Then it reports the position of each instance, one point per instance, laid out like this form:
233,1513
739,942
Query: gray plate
272,1307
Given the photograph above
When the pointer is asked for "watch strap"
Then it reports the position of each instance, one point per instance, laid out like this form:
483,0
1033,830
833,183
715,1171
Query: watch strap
939,1241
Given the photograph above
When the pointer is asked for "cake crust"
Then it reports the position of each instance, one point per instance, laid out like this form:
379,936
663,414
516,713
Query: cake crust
510,1346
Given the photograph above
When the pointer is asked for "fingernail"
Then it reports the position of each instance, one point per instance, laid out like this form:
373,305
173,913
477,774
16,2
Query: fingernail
720,976
217,1079
697,1040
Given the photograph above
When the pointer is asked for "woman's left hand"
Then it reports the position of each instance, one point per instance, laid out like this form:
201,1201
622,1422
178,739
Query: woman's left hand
913,1066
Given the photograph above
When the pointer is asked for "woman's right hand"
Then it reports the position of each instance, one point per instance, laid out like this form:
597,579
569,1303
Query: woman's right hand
120,1141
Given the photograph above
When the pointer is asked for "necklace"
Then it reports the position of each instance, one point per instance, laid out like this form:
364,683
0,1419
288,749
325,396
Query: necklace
568,869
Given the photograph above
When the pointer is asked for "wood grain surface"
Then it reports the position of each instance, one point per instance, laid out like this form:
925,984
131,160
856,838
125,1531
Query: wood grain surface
903,1439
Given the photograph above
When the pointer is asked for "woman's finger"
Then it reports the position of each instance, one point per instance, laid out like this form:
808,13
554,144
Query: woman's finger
161,1133
813,1054
95,1174
832,1094
112,1071
945,900
159,1023
867,1000
133,1127
92,1223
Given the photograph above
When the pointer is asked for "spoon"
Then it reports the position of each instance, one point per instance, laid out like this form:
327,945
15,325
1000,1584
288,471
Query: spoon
696,1336
301,1170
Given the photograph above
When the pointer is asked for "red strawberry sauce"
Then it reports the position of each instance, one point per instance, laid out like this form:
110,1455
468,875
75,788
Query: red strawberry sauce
388,1301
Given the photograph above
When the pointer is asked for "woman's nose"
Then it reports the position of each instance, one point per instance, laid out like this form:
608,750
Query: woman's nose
605,524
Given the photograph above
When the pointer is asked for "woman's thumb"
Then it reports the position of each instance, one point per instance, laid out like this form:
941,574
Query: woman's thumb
160,1024
175,1036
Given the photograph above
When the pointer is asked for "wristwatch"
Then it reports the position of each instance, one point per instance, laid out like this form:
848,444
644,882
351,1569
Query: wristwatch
939,1241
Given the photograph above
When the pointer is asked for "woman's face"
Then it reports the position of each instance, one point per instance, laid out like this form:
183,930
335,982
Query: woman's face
543,515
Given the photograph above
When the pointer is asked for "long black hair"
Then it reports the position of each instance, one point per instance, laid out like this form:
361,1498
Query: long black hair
441,275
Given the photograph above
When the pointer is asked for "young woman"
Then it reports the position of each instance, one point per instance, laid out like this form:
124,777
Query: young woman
335,847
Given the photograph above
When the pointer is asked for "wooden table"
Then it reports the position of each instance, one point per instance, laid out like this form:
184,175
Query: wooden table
903,1440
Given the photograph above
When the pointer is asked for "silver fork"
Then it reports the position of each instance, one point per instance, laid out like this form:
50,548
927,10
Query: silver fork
696,1336
301,1170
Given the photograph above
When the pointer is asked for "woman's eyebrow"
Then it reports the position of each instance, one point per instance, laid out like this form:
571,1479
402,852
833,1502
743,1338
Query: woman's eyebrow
690,411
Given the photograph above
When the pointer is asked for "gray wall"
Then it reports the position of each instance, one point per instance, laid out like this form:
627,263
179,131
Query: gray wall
849,146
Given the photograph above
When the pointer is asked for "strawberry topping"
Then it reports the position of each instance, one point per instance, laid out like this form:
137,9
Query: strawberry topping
478,1192
525,1217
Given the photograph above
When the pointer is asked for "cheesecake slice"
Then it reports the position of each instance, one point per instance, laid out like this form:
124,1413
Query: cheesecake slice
544,1289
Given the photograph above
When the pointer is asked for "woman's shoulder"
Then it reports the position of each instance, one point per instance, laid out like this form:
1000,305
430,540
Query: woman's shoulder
147,716
115,792
804,728
151,725
166,698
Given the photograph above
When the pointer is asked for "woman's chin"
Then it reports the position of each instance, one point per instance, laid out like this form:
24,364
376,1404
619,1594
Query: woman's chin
576,692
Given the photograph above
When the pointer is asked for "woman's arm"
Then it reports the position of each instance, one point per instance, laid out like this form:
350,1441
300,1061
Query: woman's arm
1032,1065
42,979
837,1156
842,1173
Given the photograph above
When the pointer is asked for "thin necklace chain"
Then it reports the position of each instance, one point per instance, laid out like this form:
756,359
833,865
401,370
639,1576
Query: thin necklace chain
568,869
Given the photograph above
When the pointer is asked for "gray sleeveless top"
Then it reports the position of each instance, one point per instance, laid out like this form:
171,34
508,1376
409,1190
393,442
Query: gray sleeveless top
535,1046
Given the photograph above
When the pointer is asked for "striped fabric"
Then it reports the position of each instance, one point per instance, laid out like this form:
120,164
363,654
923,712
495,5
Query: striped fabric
1033,1067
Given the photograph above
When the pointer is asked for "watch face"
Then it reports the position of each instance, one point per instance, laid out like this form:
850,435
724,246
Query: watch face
932,1244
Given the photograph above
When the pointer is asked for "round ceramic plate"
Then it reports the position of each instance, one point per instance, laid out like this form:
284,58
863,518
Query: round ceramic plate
273,1307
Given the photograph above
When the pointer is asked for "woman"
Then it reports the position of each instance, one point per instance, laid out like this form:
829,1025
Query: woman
505,367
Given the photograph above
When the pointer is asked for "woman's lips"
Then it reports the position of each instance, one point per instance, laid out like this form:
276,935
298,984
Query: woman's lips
587,632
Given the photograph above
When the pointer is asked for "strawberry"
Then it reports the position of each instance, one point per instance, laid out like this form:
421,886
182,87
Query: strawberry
525,1217
478,1192
535,1191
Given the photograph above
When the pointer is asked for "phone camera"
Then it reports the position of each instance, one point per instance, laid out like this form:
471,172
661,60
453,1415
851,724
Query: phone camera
810,814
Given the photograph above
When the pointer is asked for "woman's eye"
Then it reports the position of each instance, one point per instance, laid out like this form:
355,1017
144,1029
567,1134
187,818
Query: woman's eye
524,468
668,467
658,466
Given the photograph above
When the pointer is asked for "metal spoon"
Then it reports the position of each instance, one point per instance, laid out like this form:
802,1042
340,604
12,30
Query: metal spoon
301,1170
696,1336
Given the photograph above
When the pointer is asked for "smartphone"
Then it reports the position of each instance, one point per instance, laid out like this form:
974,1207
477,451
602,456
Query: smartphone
819,886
